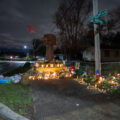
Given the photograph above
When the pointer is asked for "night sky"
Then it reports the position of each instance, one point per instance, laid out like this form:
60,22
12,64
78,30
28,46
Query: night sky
16,15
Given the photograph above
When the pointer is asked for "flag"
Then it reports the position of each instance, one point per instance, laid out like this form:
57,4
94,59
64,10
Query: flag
31,28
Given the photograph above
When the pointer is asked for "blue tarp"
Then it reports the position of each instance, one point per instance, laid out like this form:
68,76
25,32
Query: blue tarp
3,81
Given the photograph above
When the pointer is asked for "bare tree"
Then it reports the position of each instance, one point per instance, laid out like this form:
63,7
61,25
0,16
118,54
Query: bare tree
38,47
71,18
110,31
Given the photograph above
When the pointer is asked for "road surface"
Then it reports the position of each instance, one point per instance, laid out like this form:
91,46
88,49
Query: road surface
70,100
8,66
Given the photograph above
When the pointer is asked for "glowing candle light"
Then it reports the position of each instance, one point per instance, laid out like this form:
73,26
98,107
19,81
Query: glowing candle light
58,65
51,65
42,66
37,65
61,65
29,77
114,77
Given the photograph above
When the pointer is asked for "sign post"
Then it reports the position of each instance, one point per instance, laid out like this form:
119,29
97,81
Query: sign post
99,21
96,19
97,40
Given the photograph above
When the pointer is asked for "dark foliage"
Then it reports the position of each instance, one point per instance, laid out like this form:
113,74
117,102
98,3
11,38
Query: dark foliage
70,19
38,47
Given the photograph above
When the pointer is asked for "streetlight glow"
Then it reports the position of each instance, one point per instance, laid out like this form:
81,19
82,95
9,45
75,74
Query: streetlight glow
25,47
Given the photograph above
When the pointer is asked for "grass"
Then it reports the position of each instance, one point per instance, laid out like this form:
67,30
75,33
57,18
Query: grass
109,68
17,97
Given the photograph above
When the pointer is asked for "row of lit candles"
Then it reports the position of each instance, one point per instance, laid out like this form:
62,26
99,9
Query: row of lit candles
49,76
48,65
102,79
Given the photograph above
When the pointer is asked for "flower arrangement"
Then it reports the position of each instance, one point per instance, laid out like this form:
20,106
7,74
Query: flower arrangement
109,84
50,70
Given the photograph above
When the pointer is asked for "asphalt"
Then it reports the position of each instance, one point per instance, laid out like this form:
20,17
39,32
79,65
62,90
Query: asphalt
69,100
8,66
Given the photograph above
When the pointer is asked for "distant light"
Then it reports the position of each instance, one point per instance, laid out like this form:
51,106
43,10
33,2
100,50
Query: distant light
25,47
11,57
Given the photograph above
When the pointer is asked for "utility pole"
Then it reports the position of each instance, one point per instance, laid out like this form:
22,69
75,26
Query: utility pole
97,40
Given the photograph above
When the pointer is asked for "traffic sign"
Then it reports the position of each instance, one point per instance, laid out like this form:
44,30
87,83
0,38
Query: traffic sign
99,21
92,19
97,18
102,13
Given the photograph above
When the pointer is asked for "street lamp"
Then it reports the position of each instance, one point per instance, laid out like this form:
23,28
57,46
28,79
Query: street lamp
25,49
25,46
27,53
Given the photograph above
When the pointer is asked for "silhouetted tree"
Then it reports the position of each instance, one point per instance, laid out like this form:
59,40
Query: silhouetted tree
38,47
109,32
70,18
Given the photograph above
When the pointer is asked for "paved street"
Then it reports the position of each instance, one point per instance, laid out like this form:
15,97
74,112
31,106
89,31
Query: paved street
8,66
68,100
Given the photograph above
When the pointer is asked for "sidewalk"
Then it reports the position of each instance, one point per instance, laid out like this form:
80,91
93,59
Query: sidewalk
7,114
68,100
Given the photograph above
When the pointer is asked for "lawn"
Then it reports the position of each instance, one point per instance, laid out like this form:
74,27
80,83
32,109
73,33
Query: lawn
107,68
17,97
110,68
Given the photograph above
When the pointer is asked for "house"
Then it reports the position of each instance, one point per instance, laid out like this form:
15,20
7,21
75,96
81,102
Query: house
107,54
88,54
59,56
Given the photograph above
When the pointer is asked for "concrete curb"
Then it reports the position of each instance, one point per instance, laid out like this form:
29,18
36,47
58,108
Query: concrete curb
8,114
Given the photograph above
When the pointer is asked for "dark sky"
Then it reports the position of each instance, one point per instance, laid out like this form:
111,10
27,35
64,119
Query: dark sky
15,15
